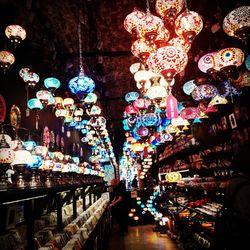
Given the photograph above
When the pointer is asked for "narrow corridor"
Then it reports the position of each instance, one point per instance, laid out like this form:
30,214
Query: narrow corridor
141,238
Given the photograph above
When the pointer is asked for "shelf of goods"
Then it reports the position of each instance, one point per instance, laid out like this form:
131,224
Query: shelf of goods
66,217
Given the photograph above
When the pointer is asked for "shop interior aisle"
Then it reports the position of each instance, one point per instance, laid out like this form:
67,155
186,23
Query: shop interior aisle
141,238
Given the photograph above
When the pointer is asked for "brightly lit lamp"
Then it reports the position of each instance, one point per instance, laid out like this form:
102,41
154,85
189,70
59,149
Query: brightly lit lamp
35,164
237,23
168,61
15,33
6,60
23,72
43,96
52,83
131,21
206,64
22,158
36,105
188,25
141,49
169,9
30,78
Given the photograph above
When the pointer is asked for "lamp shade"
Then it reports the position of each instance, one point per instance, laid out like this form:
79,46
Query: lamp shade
34,103
23,72
207,62
179,41
94,111
81,85
21,156
168,9
141,49
15,33
150,119
36,161
149,27
91,98
51,83
168,61
229,57
29,145
31,78
43,96
67,102
188,87
188,24
6,59
156,92
132,20
237,22
131,96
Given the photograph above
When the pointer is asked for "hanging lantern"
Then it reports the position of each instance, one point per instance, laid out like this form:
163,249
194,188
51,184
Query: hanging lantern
237,23
68,102
188,87
52,83
6,59
206,63
31,78
58,102
141,50
131,21
43,96
91,98
197,94
228,59
142,79
208,91
81,85
190,113
131,96
15,33
168,61
94,111
34,104
156,92
149,27
150,119
141,103
218,100
188,25
173,177
130,109
23,72
169,9
171,107
36,161
247,62
142,132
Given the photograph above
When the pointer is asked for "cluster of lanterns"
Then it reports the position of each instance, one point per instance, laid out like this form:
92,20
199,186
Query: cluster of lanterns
153,115
28,154
16,34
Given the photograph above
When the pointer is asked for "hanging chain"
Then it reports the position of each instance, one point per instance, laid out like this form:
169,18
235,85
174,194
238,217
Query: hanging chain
148,9
80,38
186,5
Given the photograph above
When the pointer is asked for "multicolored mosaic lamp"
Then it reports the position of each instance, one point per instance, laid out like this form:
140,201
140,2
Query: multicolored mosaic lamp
15,33
6,60
237,23
52,83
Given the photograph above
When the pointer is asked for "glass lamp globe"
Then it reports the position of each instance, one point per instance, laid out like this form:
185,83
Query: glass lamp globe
22,157
6,59
31,78
81,85
15,33
43,96
237,23
156,92
34,103
52,83
6,153
91,98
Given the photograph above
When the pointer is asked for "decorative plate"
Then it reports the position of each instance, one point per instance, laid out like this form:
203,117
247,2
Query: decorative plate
15,116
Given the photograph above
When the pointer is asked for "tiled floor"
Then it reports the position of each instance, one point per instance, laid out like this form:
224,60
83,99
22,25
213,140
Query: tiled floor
141,238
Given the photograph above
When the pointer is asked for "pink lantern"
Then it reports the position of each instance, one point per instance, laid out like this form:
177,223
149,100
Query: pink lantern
168,61
141,103
207,62
188,25
149,27
162,38
171,107
141,49
130,109
190,113
132,20
168,9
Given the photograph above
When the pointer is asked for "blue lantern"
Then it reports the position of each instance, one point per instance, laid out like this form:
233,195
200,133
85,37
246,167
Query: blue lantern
131,96
29,145
36,161
81,85
52,83
34,103
151,119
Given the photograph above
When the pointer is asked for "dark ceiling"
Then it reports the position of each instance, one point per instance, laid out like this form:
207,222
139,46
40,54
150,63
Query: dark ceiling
52,49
